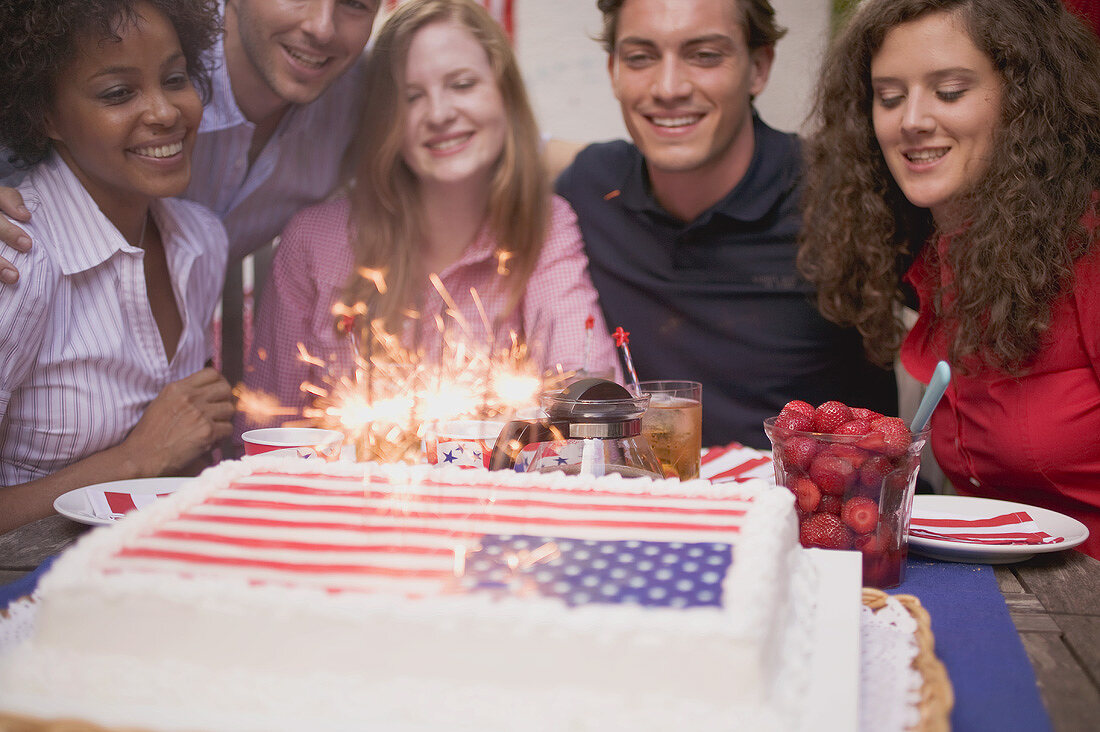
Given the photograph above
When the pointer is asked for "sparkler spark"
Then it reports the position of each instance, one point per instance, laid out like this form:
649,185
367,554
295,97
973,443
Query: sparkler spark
376,276
395,396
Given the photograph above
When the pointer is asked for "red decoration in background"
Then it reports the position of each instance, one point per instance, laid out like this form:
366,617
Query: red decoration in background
622,337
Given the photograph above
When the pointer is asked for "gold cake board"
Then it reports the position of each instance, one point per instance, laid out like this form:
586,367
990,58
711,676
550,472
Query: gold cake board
936,696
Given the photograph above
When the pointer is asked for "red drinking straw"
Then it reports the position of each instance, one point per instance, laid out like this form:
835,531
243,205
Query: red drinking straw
622,340
589,324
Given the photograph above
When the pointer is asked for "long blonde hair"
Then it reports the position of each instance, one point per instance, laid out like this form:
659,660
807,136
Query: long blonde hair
385,225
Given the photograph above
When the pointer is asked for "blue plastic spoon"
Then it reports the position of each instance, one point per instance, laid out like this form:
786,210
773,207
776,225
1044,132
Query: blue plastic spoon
941,377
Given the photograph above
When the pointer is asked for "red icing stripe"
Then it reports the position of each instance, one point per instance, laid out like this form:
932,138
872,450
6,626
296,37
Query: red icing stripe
350,526
492,518
312,490
313,568
472,500
298,545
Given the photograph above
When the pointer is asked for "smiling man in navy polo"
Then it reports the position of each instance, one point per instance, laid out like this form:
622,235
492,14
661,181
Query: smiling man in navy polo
691,230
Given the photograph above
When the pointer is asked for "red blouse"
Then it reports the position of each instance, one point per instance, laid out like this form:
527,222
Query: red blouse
1033,439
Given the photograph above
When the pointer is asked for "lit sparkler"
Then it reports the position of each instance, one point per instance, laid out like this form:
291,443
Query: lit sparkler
395,396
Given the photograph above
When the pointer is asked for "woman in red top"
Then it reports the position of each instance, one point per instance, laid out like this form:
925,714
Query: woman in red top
958,154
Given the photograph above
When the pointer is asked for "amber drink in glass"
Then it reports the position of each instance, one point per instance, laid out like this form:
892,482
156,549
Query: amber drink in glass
673,425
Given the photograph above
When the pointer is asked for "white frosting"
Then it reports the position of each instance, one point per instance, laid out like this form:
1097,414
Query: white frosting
170,643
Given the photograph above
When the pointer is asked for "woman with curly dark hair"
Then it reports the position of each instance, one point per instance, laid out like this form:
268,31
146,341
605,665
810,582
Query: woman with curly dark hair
103,341
957,152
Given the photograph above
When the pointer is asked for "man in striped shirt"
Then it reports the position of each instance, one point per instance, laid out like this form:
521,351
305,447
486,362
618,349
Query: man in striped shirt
286,100
284,106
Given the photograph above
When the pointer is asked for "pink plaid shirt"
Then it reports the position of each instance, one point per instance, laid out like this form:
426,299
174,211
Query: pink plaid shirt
313,264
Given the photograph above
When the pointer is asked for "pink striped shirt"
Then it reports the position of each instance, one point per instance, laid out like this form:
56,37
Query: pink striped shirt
81,356
314,263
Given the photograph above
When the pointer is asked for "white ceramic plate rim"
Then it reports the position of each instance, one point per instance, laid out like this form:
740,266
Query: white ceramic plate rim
74,505
1056,524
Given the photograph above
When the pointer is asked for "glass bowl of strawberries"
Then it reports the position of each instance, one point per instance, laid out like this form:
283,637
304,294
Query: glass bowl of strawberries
853,472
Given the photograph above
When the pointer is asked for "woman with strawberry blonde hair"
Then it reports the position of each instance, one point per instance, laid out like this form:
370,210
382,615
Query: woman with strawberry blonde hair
956,164
447,180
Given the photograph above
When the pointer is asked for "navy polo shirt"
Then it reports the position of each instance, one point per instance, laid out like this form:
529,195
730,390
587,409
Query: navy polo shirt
718,300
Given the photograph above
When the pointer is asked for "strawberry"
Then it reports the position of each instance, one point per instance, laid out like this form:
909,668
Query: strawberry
807,495
895,491
897,443
854,427
831,415
873,441
869,543
824,530
895,436
868,414
872,473
798,452
832,474
887,425
797,405
794,421
891,444
829,504
849,453
861,514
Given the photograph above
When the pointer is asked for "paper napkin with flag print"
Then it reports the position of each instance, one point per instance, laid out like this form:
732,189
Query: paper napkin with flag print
114,504
735,463
1017,527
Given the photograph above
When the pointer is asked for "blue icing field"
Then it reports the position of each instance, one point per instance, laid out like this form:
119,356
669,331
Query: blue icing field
579,572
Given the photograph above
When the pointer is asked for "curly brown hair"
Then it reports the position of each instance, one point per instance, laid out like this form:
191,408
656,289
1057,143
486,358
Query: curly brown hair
1023,234
40,40
760,26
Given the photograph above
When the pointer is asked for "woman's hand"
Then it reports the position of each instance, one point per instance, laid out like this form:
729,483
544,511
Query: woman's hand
185,420
182,423
11,204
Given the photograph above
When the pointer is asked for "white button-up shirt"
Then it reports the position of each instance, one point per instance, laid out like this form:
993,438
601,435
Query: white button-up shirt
81,356
299,166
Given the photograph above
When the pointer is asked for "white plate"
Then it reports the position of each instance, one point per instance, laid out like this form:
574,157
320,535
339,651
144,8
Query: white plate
74,504
1072,531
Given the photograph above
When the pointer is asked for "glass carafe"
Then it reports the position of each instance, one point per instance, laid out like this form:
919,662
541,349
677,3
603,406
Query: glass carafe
593,427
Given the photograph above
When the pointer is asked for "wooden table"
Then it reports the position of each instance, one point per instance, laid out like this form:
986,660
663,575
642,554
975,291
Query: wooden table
23,549
1054,600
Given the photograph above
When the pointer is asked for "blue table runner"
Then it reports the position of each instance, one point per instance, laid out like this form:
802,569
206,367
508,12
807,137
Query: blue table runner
978,643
